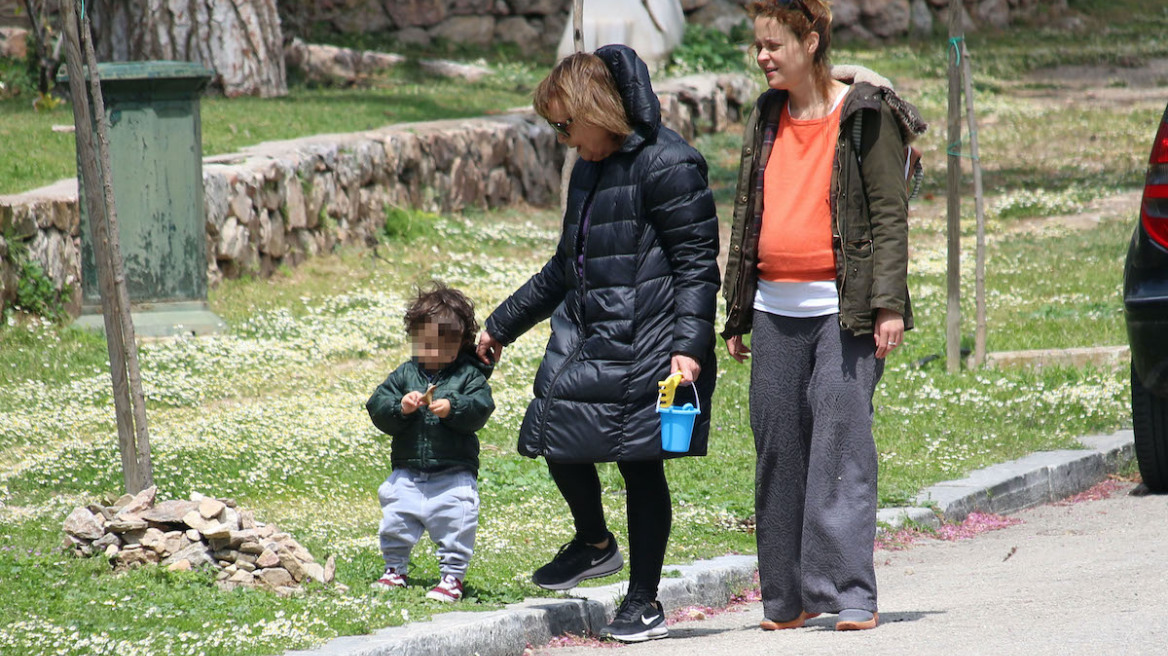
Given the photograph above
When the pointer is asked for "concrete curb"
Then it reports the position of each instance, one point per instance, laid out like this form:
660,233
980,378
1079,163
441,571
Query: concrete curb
1038,478
1009,487
536,621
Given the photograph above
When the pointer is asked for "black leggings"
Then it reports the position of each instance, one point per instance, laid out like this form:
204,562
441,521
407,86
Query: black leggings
649,508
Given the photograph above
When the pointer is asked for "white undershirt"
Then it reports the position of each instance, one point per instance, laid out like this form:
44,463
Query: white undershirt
797,299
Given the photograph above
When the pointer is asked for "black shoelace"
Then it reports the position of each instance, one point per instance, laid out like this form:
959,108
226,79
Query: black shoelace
632,607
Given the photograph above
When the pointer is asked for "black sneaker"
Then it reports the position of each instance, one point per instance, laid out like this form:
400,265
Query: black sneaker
637,620
577,561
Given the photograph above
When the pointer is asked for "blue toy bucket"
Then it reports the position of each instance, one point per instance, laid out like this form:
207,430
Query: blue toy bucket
677,424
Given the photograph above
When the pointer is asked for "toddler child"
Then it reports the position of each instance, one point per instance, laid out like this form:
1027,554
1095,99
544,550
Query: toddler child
432,406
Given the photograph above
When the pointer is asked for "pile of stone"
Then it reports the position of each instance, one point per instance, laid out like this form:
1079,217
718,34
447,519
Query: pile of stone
135,531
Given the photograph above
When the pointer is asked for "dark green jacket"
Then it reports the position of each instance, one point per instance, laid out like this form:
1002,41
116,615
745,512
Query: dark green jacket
869,208
422,441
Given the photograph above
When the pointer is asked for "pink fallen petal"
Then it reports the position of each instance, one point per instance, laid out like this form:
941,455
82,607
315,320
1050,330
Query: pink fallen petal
1097,492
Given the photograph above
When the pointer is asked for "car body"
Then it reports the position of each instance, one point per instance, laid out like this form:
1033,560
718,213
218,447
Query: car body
1145,309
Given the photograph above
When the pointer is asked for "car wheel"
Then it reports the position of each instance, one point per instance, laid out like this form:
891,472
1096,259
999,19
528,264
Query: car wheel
1150,424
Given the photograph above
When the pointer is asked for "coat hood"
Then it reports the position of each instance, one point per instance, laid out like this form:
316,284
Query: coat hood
873,88
642,107
907,116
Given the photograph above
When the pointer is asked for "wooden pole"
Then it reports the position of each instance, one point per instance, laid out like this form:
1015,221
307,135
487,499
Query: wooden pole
129,339
91,175
578,25
979,339
953,193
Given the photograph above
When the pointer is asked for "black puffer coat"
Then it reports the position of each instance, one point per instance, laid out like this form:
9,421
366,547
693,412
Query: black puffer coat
648,290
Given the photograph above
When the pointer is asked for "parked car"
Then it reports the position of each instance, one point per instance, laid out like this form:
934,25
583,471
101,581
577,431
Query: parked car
1145,308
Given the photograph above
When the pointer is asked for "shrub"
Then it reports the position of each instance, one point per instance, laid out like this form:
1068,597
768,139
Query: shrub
707,49
406,225
16,78
35,291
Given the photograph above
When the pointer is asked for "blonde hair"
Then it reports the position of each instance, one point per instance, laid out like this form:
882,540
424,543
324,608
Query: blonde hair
586,90
803,17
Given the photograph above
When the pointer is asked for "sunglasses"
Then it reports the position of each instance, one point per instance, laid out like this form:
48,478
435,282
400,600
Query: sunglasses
796,5
561,128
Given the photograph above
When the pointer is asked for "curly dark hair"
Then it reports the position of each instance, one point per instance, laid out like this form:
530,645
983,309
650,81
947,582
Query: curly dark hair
446,306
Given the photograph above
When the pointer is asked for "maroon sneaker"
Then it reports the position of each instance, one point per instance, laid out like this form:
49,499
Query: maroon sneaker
448,589
389,580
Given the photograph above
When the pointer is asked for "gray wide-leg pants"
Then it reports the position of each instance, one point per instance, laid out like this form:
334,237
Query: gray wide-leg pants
811,389
444,504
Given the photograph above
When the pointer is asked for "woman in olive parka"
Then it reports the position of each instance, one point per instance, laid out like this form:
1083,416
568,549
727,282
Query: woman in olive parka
817,276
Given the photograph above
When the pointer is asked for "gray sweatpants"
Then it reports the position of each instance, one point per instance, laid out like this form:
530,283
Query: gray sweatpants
811,387
445,504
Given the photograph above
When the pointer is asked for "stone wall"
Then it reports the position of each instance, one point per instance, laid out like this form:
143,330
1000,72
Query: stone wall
281,202
537,25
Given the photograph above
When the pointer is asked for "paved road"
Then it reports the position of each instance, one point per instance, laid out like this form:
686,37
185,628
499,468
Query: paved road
1080,579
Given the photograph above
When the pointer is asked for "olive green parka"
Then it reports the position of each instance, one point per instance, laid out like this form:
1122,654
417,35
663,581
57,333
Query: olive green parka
869,206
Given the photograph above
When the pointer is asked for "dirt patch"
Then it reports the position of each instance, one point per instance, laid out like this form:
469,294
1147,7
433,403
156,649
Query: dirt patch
1110,86
1143,83
1121,206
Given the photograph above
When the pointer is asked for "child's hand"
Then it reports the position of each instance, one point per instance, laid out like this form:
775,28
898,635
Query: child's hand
411,402
441,408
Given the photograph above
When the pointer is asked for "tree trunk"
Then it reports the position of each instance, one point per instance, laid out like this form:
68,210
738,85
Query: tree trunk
240,40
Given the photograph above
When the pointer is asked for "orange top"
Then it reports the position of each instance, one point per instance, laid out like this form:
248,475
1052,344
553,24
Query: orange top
795,241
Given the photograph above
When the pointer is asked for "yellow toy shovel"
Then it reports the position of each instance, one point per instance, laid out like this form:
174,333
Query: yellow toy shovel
676,422
667,389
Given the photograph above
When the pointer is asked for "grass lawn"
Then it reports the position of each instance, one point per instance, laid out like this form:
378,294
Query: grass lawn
271,414
33,155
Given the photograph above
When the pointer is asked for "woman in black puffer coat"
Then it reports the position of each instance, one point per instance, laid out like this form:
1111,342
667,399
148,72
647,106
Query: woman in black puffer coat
631,293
